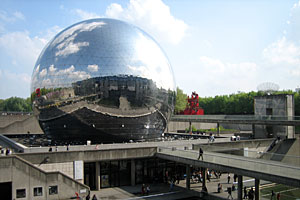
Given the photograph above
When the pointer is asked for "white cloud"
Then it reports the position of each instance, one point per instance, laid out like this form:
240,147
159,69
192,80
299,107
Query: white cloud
157,67
65,41
84,15
296,5
63,77
52,69
282,51
21,49
210,77
216,66
19,15
70,48
50,33
153,16
43,73
14,84
93,68
10,18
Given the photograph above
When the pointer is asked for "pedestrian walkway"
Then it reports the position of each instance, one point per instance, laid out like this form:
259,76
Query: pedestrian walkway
245,166
162,190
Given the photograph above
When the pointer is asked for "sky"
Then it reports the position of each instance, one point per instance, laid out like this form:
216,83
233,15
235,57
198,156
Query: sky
215,47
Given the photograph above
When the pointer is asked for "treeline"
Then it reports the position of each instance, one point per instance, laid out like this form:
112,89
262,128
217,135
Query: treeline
15,104
233,104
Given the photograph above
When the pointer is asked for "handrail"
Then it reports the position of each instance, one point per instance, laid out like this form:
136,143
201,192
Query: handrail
238,149
234,157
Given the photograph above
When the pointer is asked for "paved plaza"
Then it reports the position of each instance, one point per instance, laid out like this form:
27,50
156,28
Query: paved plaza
162,190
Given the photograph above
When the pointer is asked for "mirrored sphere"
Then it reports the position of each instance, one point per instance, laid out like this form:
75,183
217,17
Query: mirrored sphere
103,80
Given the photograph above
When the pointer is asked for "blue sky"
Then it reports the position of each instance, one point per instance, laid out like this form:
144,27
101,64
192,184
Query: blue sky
215,47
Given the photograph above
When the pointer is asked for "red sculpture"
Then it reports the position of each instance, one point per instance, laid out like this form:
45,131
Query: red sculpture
38,92
192,107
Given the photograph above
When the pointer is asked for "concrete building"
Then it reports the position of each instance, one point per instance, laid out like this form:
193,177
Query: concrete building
277,106
61,174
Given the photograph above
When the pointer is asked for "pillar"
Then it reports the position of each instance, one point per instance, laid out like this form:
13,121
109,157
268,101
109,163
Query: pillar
240,187
190,128
218,129
257,189
188,177
204,176
132,172
98,177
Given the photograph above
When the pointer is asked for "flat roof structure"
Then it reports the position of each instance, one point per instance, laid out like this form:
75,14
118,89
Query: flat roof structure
240,119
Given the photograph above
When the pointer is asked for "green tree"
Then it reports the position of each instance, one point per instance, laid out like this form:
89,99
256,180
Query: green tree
15,104
180,101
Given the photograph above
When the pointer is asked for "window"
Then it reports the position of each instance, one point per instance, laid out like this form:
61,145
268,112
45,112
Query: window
38,191
53,190
21,193
269,111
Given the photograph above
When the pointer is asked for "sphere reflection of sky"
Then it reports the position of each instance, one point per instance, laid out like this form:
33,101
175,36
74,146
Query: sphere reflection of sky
98,48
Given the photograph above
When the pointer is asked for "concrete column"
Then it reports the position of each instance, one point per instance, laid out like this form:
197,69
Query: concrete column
204,176
188,177
240,187
257,189
132,172
218,129
190,128
98,176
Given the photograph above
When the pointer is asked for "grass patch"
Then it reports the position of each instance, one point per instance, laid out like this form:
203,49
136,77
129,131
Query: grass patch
287,192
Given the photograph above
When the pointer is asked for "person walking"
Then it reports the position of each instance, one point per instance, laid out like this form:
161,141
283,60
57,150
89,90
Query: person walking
245,193
171,185
208,176
235,177
278,196
148,189
229,193
200,153
143,189
166,176
251,194
219,187
272,195
177,178
228,178
94,197
88,196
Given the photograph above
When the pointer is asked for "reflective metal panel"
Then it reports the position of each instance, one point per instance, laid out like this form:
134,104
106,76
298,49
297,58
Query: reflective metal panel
104,67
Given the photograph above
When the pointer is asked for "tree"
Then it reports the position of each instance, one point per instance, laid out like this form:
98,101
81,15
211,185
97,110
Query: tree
181,101
16,104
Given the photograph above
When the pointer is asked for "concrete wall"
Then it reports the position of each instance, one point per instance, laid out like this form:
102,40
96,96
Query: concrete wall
24,175
6,118
19,124
281,105
256,145
65,167
174,126
89,155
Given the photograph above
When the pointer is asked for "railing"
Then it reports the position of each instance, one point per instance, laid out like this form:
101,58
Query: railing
263,155
15,113
237,117
246,163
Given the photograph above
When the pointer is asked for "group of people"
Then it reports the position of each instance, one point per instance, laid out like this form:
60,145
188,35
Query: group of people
273,195
5,151
56,148
145,189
